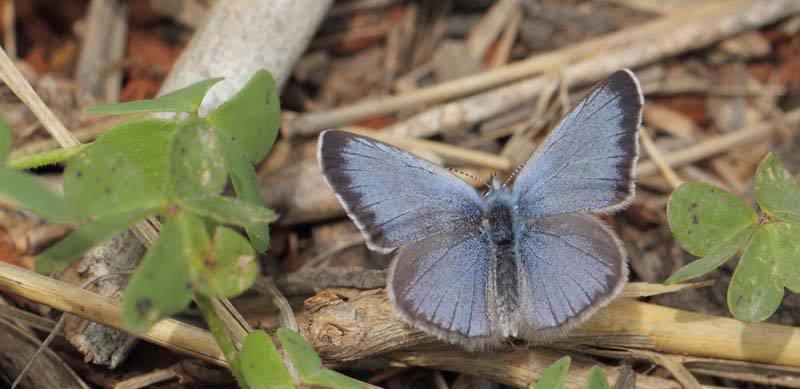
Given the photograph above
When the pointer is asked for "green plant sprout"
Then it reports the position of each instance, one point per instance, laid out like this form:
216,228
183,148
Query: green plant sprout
176,170
713,224
555,376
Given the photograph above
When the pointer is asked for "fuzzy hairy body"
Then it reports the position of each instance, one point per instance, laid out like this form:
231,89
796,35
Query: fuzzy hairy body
501,227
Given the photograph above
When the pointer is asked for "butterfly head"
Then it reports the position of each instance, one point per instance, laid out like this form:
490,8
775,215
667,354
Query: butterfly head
496,188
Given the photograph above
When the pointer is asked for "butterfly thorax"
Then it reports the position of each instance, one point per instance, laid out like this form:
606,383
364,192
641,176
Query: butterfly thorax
500,227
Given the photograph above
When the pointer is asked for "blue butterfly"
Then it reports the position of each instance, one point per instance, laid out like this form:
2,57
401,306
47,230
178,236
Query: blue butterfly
530,262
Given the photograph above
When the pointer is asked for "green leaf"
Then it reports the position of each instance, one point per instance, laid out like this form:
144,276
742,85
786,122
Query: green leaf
252,116
6,139
182,100
76,244
786,248
703,216
27,192
556,375
228,268
145,143
597,379
245,183
309,366
756,289
197,164
261,364
714,258
776,190
230,210
101,180
161,285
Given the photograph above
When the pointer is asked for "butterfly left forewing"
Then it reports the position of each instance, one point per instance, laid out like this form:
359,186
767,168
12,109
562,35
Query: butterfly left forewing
394,197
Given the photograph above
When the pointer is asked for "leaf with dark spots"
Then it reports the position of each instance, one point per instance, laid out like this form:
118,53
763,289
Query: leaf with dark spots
97,192
166,293
714,216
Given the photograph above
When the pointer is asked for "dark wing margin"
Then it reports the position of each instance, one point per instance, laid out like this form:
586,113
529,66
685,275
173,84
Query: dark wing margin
394,197
572,265
440,285
588,162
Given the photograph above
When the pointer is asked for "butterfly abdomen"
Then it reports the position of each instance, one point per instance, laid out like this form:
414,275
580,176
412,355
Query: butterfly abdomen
499,230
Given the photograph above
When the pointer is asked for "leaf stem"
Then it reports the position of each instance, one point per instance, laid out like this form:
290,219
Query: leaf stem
217,328
45,158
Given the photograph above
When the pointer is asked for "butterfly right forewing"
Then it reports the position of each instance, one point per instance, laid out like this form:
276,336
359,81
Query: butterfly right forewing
588,161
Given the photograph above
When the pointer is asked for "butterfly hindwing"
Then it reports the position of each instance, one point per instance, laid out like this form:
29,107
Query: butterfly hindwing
571,265
440,284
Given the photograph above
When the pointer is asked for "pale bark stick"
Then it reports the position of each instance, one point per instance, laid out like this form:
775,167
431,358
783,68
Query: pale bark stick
663,37
243,36
102,46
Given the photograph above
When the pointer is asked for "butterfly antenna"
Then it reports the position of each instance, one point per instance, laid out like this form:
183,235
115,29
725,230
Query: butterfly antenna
470,176
513,174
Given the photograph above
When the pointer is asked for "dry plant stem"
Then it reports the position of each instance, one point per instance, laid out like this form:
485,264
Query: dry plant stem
520,368
44,346
658,159
452,154
682,33
673,364
176,336
9,29
286,315
145,380
17,348
506,43
483,34
626,48
719,144
20,86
